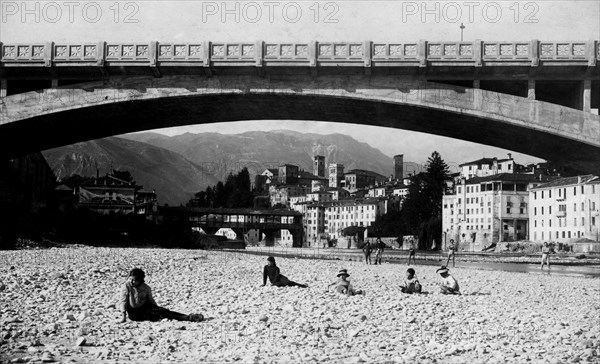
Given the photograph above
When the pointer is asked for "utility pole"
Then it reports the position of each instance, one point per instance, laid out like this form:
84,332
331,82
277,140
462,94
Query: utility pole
462,28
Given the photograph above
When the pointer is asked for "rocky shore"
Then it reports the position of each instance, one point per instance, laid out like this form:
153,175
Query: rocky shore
58,305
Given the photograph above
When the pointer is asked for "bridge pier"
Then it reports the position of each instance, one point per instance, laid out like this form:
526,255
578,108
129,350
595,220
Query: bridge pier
587,95
269,237
531,89
3,83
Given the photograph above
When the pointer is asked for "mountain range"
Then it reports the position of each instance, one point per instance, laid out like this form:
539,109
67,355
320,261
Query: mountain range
178,166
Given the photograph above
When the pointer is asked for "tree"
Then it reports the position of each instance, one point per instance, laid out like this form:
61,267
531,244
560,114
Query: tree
422,209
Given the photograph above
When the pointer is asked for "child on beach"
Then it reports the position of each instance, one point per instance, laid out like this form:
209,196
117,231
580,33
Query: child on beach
449,285
343,285
411,252
545,255
137,302
411,283
277,279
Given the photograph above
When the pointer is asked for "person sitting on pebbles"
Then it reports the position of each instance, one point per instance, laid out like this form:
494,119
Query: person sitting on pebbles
277,279
449,285
343,285
137,302
411,283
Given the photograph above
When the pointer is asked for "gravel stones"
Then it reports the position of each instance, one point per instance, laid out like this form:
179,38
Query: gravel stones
60,305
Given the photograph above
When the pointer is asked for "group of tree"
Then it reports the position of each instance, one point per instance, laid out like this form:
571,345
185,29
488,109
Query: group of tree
235,192
421,213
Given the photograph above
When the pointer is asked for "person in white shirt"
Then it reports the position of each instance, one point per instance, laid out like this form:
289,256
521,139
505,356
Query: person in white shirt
449,284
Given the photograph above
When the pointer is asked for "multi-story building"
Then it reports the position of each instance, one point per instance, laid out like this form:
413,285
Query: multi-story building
283,193
314,222
319,166
319,196
485,210
336,175
357,179
565,208
487,167
288,174
344,213
108,194
338,193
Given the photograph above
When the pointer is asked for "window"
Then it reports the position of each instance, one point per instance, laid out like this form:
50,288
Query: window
574,221
582,207
582,221
521,210
569,235
557,234
542,194
549,193
505,227
582,190
550,222
574,191
559,194
535,211
489,227
563,233
508,210
574,207
509,166
535,195
593,221
550,210
535,223
542,210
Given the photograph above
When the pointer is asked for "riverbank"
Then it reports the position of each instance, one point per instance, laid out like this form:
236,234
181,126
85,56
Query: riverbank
52,299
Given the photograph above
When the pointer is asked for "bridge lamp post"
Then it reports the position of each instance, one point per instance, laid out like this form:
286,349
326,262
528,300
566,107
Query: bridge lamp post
462,28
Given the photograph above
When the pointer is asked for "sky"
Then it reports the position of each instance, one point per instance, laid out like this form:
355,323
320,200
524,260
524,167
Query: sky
304,20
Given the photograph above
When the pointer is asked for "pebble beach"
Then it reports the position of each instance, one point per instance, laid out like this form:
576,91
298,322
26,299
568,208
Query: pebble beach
59,305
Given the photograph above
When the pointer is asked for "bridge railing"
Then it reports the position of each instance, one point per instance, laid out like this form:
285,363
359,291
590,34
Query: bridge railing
309,54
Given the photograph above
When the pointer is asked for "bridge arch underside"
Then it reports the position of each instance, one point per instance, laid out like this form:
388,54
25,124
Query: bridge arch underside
571,144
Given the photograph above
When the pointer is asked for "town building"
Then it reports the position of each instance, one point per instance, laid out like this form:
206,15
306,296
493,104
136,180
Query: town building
486,210
319,166
566,209
488,167
336,175
108,194
281,194
338,193
357,179
351,212
398,167
288,174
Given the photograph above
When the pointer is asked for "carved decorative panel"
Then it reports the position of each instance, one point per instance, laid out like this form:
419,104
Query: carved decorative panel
547,50
218,51
90,51
286,50
410,50
301,50
379,50
127,51
9,52
395,50
142,51
24,51
356,50
325,50
165,50
113,51
248,50
506,49
563,49
233,50
490,50
579,49
435,50
38,51
180,51
340,50
272,50
195,50
466,50
522,49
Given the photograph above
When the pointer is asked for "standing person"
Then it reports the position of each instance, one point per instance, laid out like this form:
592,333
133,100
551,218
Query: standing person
343,285
411,283
277,279
449,284
545,255
451,252
412,251
367,249
137,302
380,247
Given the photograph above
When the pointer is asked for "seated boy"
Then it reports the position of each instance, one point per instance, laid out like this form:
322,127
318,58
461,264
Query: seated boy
449,285
344,286
411,283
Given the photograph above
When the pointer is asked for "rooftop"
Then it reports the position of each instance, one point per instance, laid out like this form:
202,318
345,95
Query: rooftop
570,181
243,211
482,161
509,177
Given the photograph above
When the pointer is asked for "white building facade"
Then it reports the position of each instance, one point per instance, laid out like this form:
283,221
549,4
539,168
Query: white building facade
566,209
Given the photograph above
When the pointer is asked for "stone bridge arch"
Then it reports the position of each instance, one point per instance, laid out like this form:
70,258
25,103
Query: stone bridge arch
58,116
